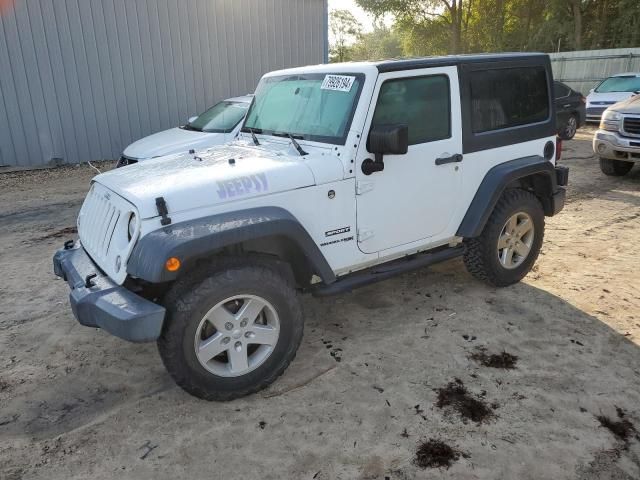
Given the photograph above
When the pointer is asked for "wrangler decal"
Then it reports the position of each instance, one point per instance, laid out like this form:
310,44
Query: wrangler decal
243,186
332,242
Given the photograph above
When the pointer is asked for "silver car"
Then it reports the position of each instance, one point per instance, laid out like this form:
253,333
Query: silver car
219,124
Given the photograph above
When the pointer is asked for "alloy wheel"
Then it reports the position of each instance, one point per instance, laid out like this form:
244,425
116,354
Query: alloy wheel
237,335
515,240
571,127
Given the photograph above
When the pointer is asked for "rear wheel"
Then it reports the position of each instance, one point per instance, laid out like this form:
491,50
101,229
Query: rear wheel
615,168
231,332
570,128
510,242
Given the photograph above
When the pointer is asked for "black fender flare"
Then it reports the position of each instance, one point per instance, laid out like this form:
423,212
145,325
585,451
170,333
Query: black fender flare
497,179
199,238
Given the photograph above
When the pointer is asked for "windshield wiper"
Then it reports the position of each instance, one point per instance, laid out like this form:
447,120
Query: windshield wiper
293,141
253,135
189,127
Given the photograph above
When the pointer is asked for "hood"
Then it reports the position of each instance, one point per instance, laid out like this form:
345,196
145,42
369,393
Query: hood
609,98
168,142
189,182
630,105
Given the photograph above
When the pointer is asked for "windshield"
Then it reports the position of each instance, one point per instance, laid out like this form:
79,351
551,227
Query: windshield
221,118
316,107
619,84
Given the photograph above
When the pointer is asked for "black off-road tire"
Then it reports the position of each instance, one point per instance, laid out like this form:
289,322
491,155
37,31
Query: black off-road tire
481,253
191,297
615,168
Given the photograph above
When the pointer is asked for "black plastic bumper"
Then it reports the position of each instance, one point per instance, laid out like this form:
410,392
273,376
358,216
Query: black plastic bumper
560,195
105,304
558,200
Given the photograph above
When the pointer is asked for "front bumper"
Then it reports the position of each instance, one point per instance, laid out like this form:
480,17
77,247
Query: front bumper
105,304
611,145
594,113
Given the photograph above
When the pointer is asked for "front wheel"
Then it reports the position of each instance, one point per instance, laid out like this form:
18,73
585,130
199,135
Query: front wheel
510,242
231,333
615,168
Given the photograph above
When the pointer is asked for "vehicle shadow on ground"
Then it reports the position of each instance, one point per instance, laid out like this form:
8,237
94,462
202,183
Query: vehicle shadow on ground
380,353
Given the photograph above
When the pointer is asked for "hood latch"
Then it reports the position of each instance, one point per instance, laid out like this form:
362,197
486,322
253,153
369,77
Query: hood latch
161,205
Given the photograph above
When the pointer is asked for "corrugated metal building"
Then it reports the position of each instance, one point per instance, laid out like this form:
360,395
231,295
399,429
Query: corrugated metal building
81,79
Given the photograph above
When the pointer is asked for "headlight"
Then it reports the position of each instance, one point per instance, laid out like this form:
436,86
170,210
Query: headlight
610,120
132,225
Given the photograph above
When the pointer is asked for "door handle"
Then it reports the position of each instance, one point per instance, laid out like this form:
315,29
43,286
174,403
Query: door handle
455,158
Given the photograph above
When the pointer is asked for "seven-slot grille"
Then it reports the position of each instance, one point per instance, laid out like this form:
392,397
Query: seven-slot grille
631,125
102,228
100,217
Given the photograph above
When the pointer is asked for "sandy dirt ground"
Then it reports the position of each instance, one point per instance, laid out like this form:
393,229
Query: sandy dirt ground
380,371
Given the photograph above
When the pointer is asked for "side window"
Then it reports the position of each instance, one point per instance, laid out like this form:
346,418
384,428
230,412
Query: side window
508,97
423,103
560,90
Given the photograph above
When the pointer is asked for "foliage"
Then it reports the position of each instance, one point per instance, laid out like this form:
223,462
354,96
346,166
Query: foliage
345,30
438,27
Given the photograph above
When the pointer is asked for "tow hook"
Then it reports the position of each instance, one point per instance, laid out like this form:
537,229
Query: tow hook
88,280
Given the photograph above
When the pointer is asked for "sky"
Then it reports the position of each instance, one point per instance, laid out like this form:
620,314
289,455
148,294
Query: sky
363,18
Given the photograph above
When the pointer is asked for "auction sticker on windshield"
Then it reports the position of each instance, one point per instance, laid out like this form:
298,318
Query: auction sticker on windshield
341,83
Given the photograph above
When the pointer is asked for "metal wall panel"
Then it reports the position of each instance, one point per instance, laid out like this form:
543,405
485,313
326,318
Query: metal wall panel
81,79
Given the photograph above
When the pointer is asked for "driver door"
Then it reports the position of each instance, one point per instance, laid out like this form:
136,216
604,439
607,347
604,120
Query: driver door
416,194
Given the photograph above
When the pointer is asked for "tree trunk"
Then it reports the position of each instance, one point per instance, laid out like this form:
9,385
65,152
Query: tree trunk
456,25
577,23
525,44
500,26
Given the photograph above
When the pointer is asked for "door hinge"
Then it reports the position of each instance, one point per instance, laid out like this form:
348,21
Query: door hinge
364,235
363,187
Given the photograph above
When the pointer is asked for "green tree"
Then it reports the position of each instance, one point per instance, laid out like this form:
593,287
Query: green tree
437,27
383,42
424,15
345,30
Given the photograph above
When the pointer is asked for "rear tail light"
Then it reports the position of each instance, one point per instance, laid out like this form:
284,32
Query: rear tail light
558,148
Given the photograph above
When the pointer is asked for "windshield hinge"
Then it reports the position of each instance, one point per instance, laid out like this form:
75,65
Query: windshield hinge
364,235
363,187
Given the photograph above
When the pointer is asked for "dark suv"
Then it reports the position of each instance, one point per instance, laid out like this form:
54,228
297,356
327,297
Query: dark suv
570,110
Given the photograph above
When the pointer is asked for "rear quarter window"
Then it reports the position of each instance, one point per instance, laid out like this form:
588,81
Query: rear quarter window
560,90
508,97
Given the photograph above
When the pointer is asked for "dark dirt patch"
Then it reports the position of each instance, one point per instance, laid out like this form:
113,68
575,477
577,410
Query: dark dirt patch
63,232
503,360
435,454
468,406
622,429
4,385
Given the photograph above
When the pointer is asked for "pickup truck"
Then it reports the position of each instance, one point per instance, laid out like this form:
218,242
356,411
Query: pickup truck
617,141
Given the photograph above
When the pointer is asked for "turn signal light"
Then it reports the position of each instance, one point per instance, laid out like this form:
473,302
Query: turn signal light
172,265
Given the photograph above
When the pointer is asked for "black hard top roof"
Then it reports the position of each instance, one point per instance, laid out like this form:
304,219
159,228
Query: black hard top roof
425,62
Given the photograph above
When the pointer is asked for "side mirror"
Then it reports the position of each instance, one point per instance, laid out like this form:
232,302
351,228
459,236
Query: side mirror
592,90
389,139
192,119
385,140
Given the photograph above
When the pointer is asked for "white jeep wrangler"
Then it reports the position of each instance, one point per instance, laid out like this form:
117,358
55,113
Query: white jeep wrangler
343,175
